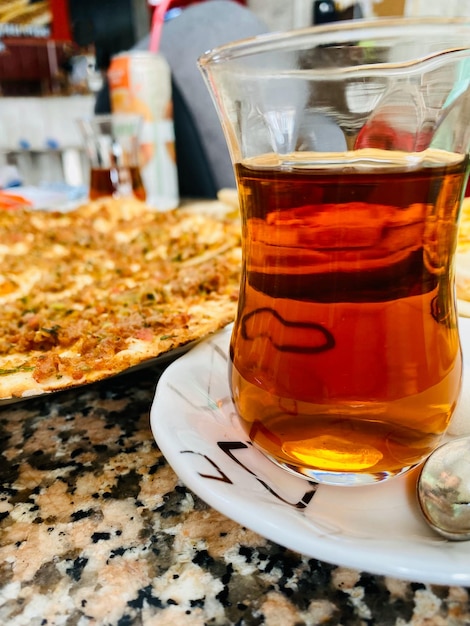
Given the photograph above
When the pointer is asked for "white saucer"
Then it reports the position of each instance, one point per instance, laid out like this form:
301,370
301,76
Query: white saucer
377,529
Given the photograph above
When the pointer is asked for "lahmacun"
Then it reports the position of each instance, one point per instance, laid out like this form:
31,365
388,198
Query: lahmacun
462,276
89,293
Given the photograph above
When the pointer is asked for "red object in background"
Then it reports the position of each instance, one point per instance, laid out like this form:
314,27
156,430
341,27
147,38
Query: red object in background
61,30
379,133
30,65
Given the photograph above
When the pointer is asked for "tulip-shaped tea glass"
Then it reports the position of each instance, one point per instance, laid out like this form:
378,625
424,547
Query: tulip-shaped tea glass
112,146
350,147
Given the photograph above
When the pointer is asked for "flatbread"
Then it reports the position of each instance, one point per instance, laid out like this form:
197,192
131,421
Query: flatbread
113,284
462,261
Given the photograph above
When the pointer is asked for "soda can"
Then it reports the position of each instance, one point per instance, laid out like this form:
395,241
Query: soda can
140,83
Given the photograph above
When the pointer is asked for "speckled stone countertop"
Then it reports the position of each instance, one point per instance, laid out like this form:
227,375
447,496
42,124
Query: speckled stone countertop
96,529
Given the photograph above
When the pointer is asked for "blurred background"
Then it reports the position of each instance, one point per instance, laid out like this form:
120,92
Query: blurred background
54,56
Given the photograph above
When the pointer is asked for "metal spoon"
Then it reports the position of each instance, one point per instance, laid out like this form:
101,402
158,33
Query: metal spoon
444,489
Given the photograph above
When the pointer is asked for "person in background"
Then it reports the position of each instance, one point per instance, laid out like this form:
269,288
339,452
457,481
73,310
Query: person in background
203,160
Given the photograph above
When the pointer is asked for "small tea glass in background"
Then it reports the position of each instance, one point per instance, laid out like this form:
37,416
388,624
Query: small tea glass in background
350,146
112,147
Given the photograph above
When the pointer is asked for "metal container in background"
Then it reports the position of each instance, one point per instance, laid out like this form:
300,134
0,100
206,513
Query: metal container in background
140,82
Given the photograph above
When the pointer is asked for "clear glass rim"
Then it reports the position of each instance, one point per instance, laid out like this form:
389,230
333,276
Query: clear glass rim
338,33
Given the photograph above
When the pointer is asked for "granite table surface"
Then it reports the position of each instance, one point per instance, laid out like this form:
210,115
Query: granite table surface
96,529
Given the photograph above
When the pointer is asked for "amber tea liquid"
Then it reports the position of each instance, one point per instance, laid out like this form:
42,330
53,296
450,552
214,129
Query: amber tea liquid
345,355
116,181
